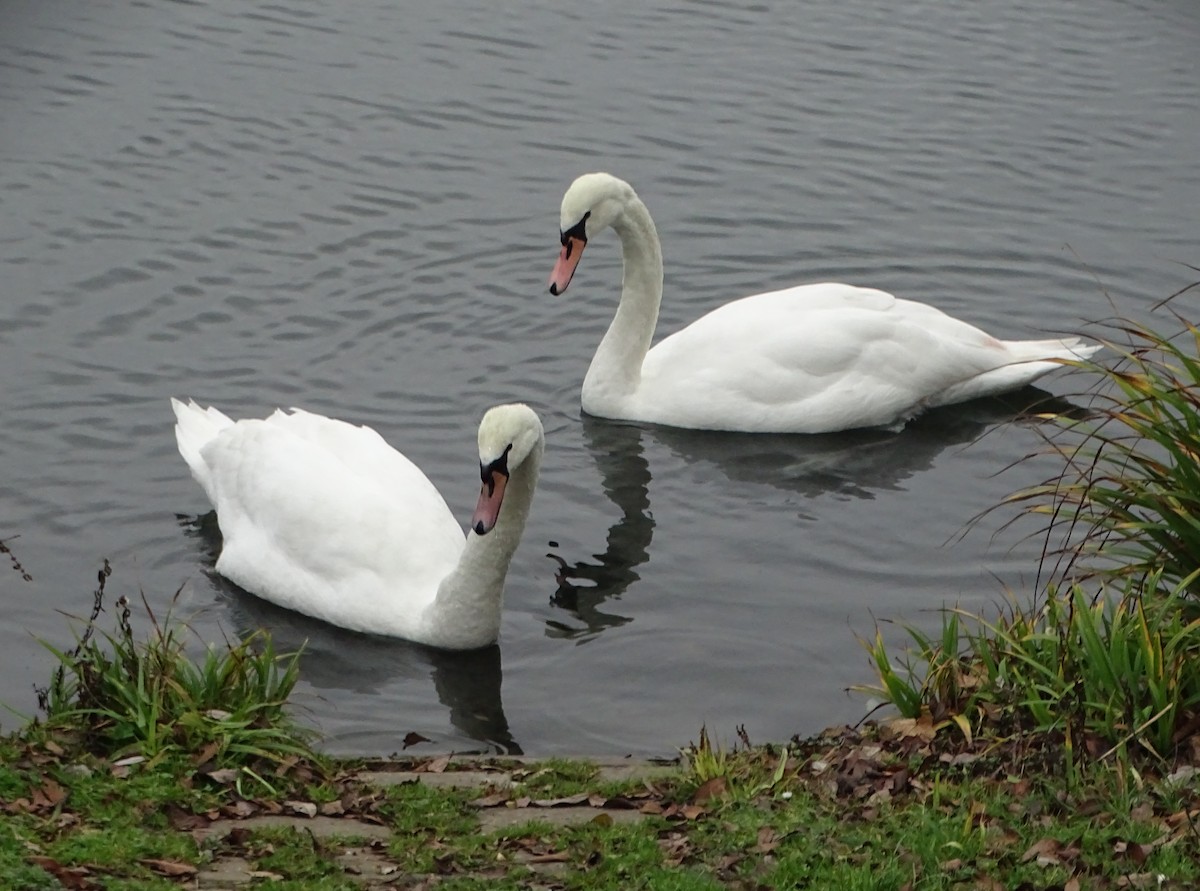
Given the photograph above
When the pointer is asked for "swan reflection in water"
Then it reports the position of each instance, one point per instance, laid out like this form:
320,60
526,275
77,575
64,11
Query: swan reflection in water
616,448
467,683
850,464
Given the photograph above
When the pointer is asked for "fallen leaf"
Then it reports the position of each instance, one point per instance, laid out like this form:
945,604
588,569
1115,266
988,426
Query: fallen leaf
602,819
496,798
413,738
714,788
240,809
552,857
333,809
768,840
206,754
185,821
49,794
568,801
1045,852
224,775
921,728
303,808
437,765
73,878
169,868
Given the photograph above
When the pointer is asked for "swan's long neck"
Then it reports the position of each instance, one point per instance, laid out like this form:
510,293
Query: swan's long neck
616,369
466,612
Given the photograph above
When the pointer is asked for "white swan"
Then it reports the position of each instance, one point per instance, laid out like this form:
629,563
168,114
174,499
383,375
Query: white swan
326,518
809,359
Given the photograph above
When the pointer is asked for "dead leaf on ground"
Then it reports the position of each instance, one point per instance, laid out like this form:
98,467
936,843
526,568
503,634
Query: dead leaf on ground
49,795
239,809
73,878
552,857
225,775
768,840
922,728
185,821
568,801
169,868
302,808
1051,852
675,848
493,800
714,788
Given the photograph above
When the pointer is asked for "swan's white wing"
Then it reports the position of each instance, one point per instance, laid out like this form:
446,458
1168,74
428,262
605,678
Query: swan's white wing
326,518
811,358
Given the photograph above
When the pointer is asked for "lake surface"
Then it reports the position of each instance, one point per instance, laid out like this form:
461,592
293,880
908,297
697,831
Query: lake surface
353,207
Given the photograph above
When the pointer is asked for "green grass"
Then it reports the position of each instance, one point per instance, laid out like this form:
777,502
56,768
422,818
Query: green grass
132,696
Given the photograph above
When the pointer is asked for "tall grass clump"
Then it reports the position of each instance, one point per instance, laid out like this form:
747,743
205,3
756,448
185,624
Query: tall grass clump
1126,503
123,696
1103,671
1107,655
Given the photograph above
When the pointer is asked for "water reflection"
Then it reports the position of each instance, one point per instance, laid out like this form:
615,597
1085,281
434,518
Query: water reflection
466,683
584,586
852,464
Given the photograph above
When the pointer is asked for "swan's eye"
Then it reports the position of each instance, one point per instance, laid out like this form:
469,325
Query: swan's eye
576,231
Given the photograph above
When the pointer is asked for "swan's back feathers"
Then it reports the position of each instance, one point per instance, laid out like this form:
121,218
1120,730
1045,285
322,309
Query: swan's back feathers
322,516
827,356
302,524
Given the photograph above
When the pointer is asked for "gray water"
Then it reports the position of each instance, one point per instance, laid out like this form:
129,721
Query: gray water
353,207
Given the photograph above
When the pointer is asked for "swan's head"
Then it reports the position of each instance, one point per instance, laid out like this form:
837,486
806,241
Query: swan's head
594,202
508,436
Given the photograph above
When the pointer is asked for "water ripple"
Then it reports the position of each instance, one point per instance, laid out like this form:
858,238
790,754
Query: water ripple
354,208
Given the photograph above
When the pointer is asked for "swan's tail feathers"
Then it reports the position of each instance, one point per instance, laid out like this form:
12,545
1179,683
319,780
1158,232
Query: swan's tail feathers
1068,348
195,427
1028,360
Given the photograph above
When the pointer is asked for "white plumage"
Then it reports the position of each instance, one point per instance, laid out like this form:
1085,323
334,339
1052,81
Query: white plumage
809,359
326,518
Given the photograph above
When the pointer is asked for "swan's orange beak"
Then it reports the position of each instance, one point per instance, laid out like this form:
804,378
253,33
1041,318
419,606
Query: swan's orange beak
572,250
490,497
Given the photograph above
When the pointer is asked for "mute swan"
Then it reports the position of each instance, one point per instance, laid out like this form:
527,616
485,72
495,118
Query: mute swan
326,518
809,359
